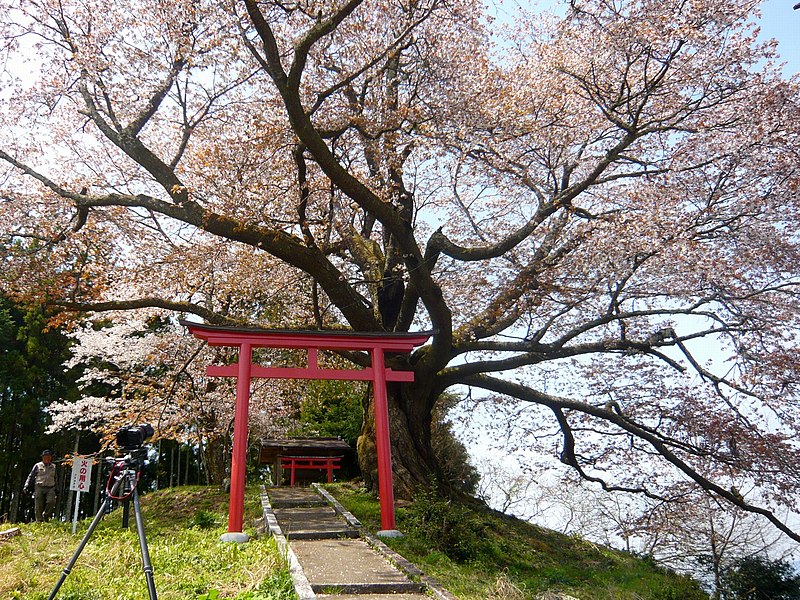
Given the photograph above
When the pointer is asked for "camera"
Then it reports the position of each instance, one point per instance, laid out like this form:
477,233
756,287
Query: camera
134,436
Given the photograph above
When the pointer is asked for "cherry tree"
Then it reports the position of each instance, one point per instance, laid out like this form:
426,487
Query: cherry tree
697,535
596,214
705,538
512,491
142,368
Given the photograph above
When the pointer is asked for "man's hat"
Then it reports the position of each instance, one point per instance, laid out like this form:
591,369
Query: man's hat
47,453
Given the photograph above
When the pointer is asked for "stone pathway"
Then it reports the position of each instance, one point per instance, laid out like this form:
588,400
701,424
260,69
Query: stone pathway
332,557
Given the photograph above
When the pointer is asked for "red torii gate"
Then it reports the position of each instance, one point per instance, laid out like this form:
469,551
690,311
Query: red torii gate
248,338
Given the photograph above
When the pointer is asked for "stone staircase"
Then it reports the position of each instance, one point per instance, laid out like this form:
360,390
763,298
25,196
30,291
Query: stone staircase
332,557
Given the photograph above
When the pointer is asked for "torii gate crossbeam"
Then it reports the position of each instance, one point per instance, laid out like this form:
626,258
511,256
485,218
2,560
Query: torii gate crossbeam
245,339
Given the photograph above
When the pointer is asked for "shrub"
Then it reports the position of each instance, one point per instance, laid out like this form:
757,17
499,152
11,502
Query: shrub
759,578
450,452
446,526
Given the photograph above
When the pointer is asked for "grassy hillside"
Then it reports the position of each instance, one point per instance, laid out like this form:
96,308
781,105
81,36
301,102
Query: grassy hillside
183,526
477,555
480,555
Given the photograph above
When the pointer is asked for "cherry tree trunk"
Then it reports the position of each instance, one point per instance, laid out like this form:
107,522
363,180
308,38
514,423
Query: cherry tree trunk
217,457
413,462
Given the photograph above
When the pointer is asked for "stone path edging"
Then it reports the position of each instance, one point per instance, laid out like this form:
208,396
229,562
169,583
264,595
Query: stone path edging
299,579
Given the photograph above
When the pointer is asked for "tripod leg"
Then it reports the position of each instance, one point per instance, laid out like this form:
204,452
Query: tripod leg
146,566
85,539
126,513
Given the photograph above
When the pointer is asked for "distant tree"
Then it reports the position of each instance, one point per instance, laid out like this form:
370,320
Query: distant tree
32,378
513,492
698,535
453,458
761,578
331,408
703,537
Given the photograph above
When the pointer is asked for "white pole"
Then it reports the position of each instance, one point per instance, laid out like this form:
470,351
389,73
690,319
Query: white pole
69,496
75,513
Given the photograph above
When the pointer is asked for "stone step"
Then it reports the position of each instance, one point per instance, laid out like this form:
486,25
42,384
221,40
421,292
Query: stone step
286,497
350,567
332,564
312,523
322,534
373,597
360,590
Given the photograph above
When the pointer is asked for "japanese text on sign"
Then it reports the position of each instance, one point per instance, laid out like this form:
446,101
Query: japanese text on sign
81,474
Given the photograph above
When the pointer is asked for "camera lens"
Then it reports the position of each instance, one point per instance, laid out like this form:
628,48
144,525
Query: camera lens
134,436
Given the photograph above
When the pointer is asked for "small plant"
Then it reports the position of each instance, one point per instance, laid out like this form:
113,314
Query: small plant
203,519
504,589
332,590
277,587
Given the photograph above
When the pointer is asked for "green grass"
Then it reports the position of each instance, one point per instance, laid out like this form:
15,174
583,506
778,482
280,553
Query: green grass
480,555
183,526
476,554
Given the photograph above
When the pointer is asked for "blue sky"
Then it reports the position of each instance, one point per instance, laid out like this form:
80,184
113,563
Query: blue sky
779,21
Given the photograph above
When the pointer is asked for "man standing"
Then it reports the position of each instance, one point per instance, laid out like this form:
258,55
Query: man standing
42,482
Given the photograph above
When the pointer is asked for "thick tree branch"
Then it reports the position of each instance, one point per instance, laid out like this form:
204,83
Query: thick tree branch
313,35
502,311
658,444
281,245
271,60
126,140
440,243
47,182
385,212
568,457
152,302
150,109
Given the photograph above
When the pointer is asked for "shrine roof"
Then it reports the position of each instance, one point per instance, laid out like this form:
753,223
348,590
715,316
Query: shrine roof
315,442
271,449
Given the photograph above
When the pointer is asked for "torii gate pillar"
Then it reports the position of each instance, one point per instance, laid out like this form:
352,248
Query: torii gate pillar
240,435
248,338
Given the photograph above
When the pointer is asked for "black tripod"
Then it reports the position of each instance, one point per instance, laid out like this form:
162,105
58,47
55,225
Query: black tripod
124,477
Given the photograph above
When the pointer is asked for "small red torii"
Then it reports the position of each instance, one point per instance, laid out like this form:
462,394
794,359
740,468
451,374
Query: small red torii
246,339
